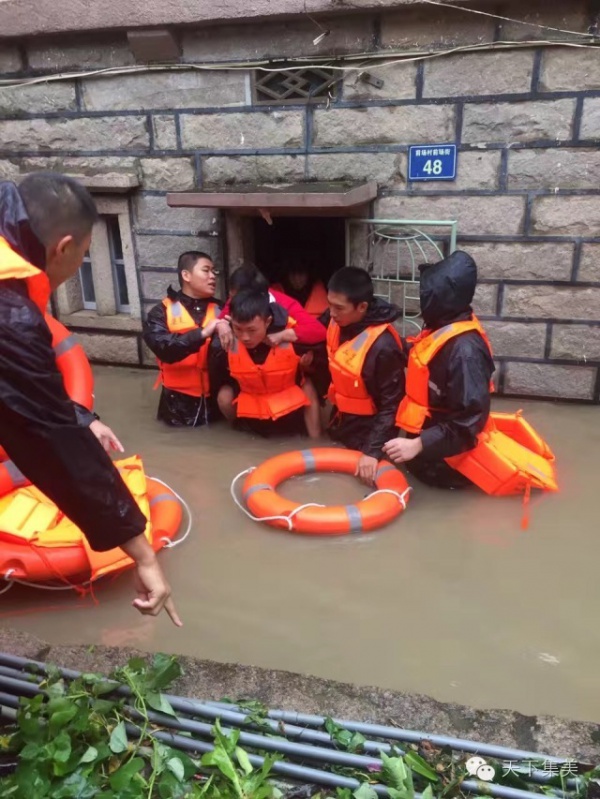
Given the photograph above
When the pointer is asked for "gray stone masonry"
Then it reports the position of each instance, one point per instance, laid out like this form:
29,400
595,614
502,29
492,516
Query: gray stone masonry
509,123
526,121
391,125
590,123
546,380
165,90
549,169
479,73
512,339
242,131
576,342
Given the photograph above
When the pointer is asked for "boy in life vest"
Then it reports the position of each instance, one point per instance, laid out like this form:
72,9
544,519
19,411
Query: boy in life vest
178,331
450,365
258,382
366,363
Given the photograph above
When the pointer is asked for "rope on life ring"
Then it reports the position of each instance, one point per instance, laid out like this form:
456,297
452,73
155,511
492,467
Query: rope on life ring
262,502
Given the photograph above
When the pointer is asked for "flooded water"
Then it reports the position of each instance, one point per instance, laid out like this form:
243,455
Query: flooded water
452,600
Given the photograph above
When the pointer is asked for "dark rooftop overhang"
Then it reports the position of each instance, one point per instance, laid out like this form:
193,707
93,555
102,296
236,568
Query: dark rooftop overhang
302,199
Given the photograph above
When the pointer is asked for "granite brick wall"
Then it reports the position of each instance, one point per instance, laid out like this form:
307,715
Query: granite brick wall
526,121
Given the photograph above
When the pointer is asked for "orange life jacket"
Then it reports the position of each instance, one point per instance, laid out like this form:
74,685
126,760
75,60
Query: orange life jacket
317,301
267,391
348,391
189,376
509,457
414,408
13,266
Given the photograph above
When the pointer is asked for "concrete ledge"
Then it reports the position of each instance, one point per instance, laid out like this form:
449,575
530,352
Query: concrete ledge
30,17
206,679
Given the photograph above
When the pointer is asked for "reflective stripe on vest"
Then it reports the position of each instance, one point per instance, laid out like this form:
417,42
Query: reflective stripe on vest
268,390
348,391
414,408
190,375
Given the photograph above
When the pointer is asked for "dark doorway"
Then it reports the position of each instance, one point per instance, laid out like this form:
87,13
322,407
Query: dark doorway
315,242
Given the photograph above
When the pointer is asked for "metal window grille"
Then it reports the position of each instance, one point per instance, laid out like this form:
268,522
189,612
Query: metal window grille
310,85
391,250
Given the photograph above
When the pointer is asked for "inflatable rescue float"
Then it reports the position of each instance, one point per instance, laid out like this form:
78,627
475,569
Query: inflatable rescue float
38,543
263,503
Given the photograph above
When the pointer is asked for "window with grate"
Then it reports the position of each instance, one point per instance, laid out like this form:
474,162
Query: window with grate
297,85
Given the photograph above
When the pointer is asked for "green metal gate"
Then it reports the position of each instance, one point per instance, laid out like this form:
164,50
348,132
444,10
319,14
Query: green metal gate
391,251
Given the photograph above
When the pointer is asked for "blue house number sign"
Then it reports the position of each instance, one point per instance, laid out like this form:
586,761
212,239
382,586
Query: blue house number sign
432,162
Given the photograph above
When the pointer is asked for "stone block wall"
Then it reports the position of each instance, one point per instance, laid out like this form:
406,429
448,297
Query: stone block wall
526,120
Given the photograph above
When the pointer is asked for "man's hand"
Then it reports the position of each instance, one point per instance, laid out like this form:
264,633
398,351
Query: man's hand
284,335
153,591
224,332
367,469
307,359
401,450
210,328
106,437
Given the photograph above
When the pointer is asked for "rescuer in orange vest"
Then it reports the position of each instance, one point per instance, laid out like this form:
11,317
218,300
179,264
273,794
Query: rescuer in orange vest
450,366
366,364
259,381
178,331
45,231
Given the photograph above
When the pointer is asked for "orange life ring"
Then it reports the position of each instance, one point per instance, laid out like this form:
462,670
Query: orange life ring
265,504
78,379
77,564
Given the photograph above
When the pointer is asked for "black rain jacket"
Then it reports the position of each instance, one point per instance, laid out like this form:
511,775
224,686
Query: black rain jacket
460,373
43,433
175,408
383,373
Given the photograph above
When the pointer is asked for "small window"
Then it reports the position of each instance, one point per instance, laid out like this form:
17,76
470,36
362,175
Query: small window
310,85
106,285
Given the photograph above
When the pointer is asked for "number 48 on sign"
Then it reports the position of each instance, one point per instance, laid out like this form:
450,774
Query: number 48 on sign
432,162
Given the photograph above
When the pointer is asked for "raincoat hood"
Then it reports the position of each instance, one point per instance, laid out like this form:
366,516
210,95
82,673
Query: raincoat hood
16,228
447,289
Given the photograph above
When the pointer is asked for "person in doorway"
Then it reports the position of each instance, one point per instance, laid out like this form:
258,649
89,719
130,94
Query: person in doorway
45,231
309,331
299,281
178,331
366,363
259,380
447,402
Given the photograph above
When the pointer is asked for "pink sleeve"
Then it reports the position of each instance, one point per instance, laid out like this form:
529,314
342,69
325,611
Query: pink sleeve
225,310
308,329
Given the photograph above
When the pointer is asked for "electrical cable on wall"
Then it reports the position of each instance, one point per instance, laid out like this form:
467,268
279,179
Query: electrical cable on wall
366,58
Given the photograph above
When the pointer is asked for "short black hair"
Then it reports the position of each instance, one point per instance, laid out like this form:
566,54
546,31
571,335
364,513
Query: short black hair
248,277
188,260
57,206
248,304
355,283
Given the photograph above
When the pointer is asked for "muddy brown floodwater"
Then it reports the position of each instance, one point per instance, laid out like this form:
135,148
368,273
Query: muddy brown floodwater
452,600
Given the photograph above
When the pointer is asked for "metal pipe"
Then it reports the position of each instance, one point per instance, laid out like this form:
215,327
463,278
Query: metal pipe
193,707
376,730
330,756
396,733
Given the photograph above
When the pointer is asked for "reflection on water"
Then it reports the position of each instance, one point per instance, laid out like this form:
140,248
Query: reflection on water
453,599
